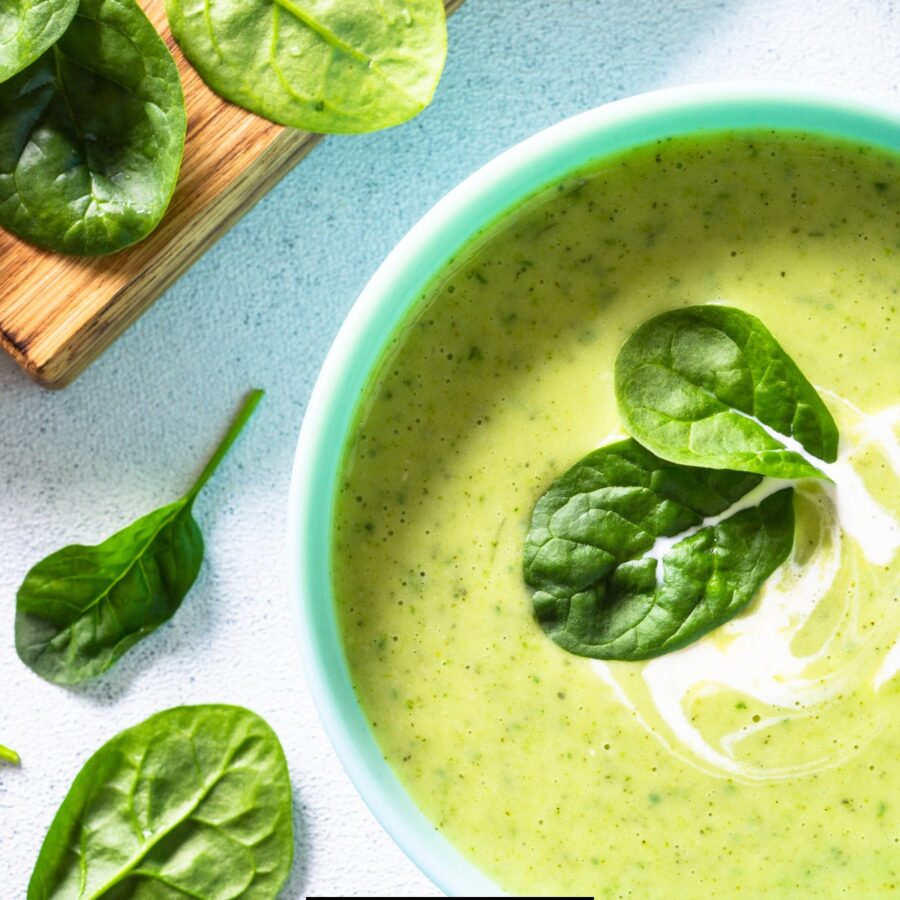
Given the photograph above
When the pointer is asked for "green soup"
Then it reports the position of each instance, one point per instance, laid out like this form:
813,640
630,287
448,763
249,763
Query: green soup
757,762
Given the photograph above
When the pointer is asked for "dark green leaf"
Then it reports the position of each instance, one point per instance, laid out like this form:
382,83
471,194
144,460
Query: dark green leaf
193,802
697,386
81,608
28,28
343,67
92,134
598,592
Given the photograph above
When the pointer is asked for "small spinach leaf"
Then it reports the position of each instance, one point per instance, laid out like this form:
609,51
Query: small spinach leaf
92,134
597,591
193,802
345,67
27,29
9,756
82,607
710,386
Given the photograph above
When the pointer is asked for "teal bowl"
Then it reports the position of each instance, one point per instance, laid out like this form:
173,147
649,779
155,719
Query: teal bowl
385,304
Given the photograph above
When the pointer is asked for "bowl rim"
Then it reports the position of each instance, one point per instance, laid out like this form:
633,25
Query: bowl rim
382,306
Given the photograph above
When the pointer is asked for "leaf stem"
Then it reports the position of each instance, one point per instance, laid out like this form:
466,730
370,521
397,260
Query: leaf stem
9,756
237,426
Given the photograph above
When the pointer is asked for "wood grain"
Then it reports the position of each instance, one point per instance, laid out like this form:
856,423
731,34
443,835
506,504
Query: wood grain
59,313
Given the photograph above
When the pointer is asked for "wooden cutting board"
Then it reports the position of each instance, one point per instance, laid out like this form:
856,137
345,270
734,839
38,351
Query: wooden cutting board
59,313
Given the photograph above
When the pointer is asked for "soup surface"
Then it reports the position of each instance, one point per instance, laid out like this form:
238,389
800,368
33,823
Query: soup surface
759,761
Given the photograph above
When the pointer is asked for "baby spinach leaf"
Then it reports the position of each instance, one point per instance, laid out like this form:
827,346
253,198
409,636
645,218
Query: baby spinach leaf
28,28
9,756
710,386
82,607
343,67
92,134
598,590
193,802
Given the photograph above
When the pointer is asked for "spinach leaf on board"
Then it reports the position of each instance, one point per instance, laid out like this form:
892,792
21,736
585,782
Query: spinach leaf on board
92,134
345,67
82,607
598,595
193,802
28,28
694,384
9,756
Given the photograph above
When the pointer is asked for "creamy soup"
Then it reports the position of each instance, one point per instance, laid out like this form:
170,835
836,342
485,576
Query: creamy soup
759,761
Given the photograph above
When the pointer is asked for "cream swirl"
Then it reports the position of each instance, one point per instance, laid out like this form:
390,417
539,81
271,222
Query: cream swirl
755,699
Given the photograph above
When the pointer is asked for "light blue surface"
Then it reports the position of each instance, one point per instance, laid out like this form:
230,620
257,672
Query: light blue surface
261,309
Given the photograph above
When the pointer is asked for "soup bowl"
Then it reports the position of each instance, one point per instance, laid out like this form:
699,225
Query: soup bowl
385,304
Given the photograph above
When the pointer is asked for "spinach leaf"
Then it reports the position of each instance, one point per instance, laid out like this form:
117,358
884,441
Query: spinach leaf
9,756
92,134
345,67
597,591
193,802
710,386
28,28
82,607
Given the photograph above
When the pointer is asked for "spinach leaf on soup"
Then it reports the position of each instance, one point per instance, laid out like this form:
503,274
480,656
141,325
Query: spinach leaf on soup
82,607
710,386
592,551
345,67
193,802
28,28
92,134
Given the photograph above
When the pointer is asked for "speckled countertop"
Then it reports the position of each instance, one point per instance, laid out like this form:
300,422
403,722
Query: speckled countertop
261,309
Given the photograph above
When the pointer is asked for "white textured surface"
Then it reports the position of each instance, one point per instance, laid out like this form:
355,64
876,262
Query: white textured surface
261,309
